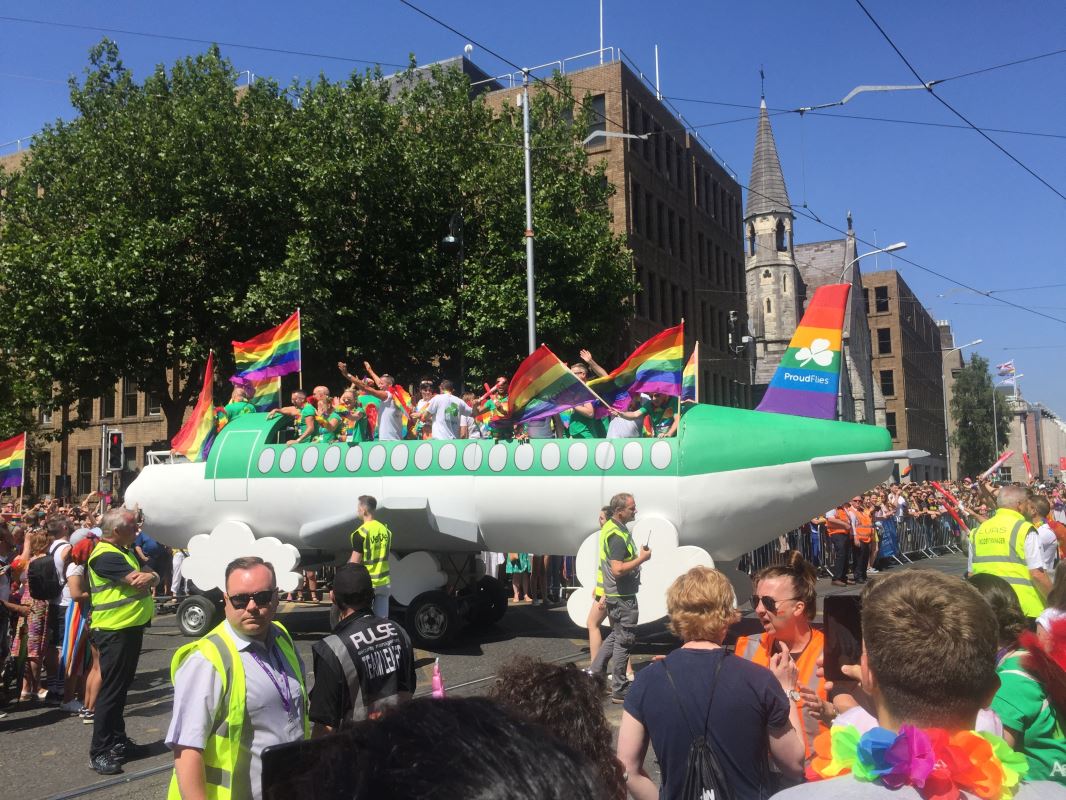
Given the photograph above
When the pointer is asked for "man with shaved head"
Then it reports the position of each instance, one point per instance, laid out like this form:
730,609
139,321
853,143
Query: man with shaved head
1008,546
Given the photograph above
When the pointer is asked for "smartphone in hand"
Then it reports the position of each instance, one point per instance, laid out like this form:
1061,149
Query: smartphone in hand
843,634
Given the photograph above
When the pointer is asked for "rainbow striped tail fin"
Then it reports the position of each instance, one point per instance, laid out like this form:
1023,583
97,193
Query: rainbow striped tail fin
807,380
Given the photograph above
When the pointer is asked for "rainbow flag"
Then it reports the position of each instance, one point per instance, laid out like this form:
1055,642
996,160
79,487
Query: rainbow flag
403,397
264,394
808,376
688,377
194,439
542,386
655,366
271,354
12,461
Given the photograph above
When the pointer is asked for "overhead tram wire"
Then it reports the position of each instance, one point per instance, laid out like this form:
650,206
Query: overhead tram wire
952,109
189,39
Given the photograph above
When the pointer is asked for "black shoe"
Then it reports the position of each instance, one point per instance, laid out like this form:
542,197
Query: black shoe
840,583
105,764
127,750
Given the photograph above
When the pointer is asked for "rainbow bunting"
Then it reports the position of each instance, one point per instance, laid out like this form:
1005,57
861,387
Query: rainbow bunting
655,366
688,378
12,461
271,354
264,394
194,439
542,386
807,378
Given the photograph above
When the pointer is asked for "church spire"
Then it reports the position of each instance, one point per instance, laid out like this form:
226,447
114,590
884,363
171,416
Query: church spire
766,192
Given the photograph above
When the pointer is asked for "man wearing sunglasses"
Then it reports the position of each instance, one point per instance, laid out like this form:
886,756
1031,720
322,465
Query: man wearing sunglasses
237,691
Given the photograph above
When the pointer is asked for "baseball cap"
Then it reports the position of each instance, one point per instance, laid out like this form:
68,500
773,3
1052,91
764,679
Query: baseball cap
352,579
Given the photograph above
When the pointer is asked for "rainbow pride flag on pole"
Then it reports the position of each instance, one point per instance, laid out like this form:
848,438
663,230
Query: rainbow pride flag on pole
271,354
194,439
12,461
689,389
264,394
808,376
542,386
655,366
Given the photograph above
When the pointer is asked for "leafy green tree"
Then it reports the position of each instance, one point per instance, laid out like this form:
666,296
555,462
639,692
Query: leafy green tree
132,235
971,410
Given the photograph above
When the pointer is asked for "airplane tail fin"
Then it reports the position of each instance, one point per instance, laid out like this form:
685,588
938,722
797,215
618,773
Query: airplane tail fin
808,377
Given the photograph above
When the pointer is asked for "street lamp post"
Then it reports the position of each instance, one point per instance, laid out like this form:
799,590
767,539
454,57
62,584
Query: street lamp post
531,307
944,394
455,242
890,249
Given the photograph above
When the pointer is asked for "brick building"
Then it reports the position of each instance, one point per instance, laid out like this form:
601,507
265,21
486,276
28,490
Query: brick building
953,361
680,211
908,367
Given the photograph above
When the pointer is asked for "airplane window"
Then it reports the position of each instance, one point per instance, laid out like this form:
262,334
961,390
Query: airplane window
472,456
550,457
354,459
310,459
332,459
376,459
577,456
661,454
288,459
604,455
632,455
424,456
446,457
399,457
266,460
498,457
523,456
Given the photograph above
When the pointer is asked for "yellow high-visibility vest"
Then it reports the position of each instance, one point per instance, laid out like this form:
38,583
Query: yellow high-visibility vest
116,604
999,549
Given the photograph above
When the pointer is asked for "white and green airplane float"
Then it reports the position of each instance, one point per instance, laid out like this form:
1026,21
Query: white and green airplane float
730,481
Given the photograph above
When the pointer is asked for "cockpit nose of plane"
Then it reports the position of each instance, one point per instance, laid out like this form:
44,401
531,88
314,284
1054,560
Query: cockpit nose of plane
719,439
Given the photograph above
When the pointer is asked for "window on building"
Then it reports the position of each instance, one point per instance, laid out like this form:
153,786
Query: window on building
1005,474
642,297
780,235
769,306
682,236
671,232
649,210
653,299
714,201
634,119
866,300
784,282
129,456
884,341
129,398
664,301
646,128
888,383
85,471
107,404
659,141
678,309
881,299
751,239
701,256
597,106
669,159
660,223
85,408
44,473
686,312
44,415
638,220
890,423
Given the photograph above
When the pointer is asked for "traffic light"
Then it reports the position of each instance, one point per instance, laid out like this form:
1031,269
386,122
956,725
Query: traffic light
116,450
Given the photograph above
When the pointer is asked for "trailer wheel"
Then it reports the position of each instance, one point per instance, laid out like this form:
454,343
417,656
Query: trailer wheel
432,619
196,615
488,602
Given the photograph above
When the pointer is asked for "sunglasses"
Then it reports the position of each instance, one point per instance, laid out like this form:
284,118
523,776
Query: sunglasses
262,599
769,603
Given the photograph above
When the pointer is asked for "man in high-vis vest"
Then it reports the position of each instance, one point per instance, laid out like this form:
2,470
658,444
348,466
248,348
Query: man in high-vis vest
863,516
371,543
620,561
121,596
237,691
840,527
365,666
1007,545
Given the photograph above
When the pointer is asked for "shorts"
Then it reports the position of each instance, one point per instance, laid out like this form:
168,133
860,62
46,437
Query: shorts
54,622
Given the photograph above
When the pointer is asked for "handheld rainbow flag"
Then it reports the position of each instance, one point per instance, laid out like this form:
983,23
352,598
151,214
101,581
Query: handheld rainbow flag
271,354
12,461
689,390
264,394
807,378
655,366
542,386
194,439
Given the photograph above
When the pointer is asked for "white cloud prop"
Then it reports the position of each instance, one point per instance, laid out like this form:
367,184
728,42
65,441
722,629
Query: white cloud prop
209,554
413,574
668,562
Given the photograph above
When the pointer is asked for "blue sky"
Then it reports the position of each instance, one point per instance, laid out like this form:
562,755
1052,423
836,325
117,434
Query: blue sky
965,210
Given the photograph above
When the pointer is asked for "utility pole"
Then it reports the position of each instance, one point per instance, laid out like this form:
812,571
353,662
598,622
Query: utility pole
531,307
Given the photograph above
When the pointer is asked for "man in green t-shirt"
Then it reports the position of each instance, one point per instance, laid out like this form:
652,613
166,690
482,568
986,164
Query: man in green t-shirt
1030,722
662,411
303,412
238,404
583,421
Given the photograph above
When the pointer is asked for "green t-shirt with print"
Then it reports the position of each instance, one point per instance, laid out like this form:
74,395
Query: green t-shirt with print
582,427
661,418
307,411
327,435
1022,705
234,410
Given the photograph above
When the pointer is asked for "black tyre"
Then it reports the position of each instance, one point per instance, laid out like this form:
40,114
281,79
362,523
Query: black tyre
432,619
488,602
197,615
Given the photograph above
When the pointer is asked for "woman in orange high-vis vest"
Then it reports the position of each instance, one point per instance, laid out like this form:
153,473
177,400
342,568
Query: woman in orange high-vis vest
785,602
863,510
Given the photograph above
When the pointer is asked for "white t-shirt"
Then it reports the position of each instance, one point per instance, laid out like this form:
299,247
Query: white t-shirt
1049,546
446,410
540,429
1034,553
72,569
390,420
620,428
473,430
60,549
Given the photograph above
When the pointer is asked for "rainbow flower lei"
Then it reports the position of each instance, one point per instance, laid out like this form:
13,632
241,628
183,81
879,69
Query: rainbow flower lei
940,765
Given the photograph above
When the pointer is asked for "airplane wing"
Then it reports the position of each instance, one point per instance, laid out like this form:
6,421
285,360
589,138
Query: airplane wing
859,458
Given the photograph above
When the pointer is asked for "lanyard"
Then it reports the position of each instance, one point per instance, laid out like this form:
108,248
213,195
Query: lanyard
286,694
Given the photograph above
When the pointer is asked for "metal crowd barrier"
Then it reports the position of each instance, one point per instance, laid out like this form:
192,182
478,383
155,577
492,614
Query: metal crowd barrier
912,537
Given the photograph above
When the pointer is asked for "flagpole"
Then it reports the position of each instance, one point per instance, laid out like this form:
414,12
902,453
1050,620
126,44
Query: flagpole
300,375
22,485
697,371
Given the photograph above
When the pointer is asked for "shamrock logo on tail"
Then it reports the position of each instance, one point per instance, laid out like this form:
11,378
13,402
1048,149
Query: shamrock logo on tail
819,352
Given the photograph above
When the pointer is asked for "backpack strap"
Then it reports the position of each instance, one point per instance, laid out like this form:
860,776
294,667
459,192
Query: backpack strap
677,696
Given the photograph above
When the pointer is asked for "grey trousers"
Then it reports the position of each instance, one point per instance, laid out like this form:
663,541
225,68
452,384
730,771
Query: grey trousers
622,612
